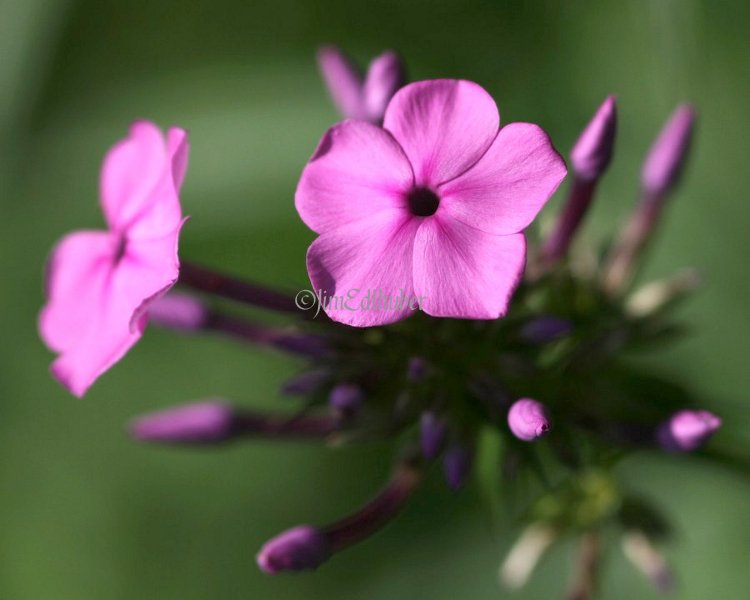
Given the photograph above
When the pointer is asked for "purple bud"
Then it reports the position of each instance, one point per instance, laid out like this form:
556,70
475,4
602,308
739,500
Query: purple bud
298,549
668,154
457,463
343,80
178,311
593,150
545,329
431,434
417,370
210,421
304,383
384,77
528,419
687,430
346,398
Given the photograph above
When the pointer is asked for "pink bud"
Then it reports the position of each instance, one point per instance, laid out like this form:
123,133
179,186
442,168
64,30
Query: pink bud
298,549
178,311
528,419
668,154
687,430
210,421
592,152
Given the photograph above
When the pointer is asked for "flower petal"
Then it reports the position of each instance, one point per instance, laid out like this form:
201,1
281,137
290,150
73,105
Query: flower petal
131,171
343,80
360,271
77,270
444,127
97,304
357,171
161,214
505,190
465,273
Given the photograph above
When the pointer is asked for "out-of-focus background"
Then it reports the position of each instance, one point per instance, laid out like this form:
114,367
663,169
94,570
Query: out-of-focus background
87,513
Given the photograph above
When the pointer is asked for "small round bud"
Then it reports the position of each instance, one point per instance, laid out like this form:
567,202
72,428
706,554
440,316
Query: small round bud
528,419
346,398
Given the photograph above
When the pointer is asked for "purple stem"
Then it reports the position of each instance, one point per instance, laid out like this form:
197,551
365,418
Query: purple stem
226,286
301,426
556,245
308,345
632,242
378,512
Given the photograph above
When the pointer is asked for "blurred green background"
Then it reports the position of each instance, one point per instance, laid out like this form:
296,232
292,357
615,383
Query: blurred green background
86,513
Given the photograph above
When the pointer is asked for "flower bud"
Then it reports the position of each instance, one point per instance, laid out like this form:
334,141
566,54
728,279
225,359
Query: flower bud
457,463
210,421
298,549
590,157
343,80
385,76
304,383
346,398
431,434
178,311
545,329
592,152
687,430
417,369
668,154
528,419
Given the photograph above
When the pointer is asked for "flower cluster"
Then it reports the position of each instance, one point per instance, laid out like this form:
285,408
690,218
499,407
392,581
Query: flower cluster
419,193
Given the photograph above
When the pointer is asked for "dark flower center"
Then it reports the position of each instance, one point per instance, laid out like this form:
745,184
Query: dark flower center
120,249
423,202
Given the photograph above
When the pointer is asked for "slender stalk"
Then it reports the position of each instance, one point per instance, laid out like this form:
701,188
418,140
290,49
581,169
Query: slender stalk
227,286
586,574
623,259
309,345
377,512
556,246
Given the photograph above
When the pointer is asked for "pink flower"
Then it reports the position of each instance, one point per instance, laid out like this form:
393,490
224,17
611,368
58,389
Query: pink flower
100,283
357,97
427,210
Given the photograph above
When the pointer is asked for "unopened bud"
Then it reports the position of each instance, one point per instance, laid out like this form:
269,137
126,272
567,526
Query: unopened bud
346,398
528,419
687,430
203,422
457,462
178,311
431,434
592,152
301,548
385,76
667,156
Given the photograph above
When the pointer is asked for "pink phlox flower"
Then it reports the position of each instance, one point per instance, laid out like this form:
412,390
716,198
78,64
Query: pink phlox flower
100,283
427,211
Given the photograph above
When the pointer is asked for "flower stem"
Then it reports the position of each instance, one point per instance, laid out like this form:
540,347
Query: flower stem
314,346
555,247
587,568
377,512
226,286
635,236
